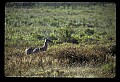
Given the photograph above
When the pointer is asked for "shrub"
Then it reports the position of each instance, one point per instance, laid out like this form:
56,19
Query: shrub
102,33
56,24
74,40
53,36
90,40
38,36
111,67
89,32
65,34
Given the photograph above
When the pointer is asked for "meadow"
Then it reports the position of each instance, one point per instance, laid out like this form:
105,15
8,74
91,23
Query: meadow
84,41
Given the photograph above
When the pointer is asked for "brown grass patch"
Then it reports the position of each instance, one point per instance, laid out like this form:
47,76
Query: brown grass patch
19,64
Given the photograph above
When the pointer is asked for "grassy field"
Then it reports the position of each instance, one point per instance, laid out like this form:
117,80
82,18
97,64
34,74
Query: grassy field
84,41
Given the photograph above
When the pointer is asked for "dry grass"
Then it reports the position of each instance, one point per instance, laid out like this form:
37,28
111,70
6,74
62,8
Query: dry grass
67,61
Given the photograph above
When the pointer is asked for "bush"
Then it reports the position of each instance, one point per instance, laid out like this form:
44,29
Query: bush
65,34
53,36
102,33
109,67
74,40
56,24
38,36
89,32
90,39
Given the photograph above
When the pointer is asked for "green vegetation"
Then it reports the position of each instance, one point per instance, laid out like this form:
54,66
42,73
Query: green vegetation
84,36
